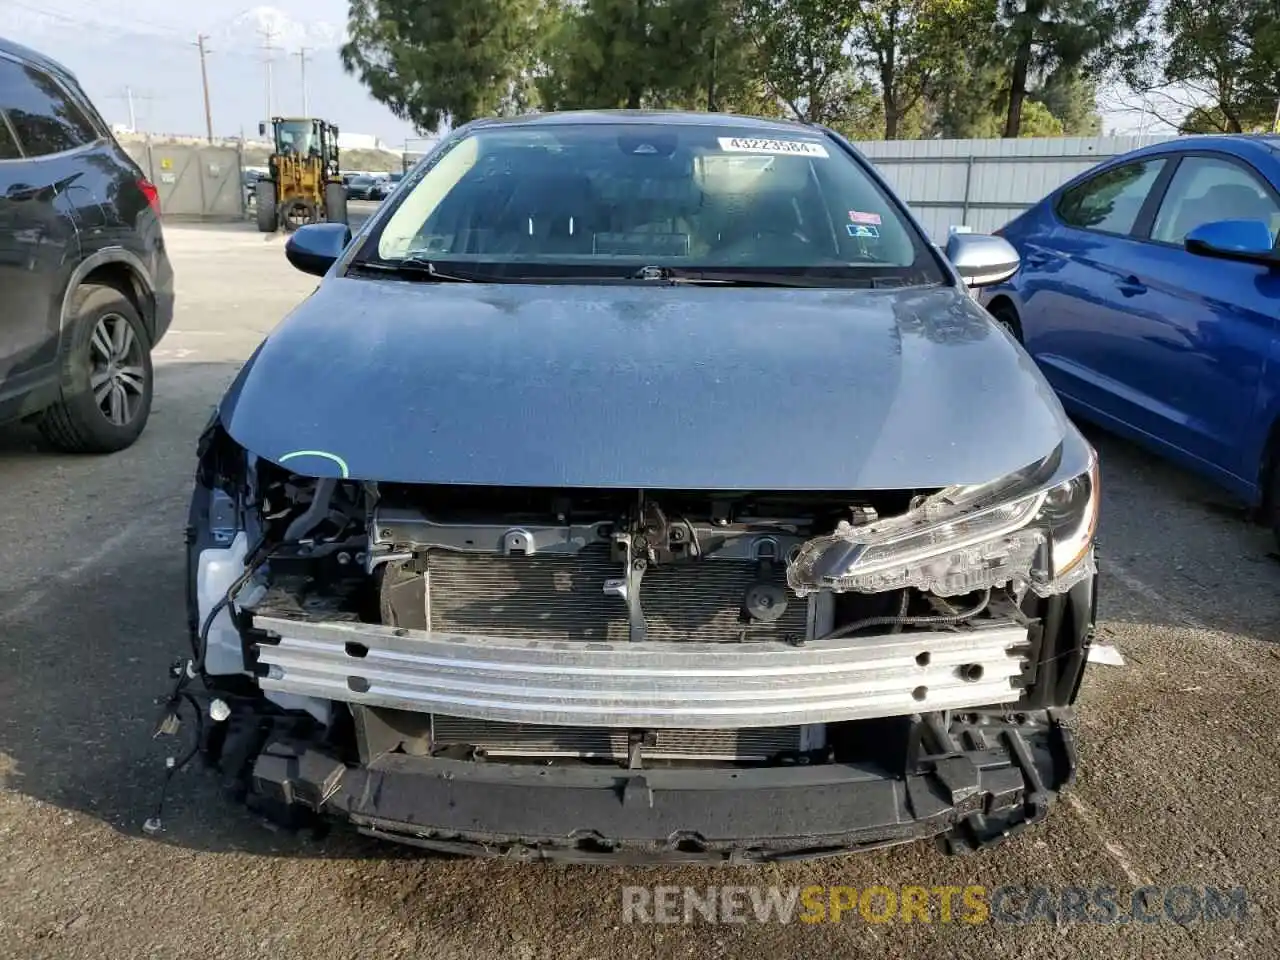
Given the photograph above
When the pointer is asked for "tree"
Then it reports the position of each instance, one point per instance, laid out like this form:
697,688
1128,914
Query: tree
1216,62
1044,36
1072,100
801,53
913,48
969,107
444,62
651,53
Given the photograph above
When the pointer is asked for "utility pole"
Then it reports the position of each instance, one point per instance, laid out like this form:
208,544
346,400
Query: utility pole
267,52
129,96
1275,125
302,60
204,80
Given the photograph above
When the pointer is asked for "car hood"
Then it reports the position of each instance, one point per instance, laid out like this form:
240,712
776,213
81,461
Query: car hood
677,387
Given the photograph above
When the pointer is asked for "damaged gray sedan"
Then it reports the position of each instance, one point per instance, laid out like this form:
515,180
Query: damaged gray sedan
636,486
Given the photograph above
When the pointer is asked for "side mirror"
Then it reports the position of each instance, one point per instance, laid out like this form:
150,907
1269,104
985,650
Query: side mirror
262,129
1246,240
981,259
315,247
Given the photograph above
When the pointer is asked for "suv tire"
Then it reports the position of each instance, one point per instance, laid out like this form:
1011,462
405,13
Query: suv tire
106,376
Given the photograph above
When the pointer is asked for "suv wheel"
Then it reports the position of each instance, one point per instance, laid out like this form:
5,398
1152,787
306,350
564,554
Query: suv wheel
106,376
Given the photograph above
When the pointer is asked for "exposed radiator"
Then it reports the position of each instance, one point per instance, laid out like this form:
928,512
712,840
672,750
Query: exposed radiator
562,598
539,740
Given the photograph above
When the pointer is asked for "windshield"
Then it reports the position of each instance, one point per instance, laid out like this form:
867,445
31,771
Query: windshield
296,136
608,198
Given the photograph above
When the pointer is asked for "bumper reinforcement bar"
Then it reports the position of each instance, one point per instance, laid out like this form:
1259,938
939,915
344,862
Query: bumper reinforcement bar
642,684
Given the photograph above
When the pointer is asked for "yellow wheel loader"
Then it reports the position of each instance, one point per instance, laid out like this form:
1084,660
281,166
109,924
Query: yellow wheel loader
304,184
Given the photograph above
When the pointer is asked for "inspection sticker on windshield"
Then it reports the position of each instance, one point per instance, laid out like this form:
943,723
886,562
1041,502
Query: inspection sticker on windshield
861,216
862,230
781,148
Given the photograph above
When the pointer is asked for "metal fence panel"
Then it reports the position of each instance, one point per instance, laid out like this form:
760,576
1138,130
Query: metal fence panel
178,183
983,184
137,149
223,182
194,180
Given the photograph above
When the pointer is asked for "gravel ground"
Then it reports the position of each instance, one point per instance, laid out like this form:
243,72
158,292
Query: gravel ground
1179,755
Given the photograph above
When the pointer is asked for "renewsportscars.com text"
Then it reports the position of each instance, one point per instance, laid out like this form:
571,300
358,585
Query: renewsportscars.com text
970,904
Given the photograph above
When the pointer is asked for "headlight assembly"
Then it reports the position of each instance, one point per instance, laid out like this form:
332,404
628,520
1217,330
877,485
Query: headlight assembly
1070,517
1024,529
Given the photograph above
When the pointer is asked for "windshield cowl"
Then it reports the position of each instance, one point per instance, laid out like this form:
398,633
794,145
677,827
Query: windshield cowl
421,269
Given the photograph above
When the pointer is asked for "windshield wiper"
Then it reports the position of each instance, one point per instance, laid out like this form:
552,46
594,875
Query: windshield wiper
753,278
419,267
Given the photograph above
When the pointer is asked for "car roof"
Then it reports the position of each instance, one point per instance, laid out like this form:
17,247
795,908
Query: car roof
34,57
686,118
1247,146
1240,144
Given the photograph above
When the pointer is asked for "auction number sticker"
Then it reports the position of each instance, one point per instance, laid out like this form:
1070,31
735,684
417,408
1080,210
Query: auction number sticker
778,148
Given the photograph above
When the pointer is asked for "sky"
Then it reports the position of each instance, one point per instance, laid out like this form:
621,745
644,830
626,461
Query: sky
146,47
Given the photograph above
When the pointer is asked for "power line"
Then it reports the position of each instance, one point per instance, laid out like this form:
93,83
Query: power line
80,20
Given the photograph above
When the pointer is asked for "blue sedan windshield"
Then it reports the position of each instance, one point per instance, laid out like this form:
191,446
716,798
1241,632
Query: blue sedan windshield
676,195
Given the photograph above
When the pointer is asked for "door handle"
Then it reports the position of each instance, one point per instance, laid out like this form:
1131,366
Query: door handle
1131,286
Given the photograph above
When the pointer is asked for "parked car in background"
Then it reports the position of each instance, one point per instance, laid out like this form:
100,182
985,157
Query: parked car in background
86,289
249,179
366,187
1149,294
750,536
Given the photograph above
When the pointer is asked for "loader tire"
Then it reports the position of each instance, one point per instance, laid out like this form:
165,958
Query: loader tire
298,213
265,200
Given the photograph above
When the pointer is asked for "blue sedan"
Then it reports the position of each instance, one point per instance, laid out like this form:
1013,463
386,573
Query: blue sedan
1149,294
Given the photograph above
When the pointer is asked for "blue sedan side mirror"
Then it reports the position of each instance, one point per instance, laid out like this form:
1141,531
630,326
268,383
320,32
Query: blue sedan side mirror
1247,240
315,247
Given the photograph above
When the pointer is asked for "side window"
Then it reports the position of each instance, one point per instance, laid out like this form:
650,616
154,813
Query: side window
101,127
45,119
1111,201
8,145
1205,189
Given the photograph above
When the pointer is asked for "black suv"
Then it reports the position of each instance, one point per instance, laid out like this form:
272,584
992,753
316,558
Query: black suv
86,289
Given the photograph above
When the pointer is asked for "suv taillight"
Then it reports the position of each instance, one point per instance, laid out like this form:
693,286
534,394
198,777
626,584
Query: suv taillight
151,193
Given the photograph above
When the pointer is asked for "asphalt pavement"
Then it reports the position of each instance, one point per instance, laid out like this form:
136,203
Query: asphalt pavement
1178,784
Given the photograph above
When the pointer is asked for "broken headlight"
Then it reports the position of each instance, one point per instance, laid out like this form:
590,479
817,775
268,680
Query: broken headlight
1025,529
